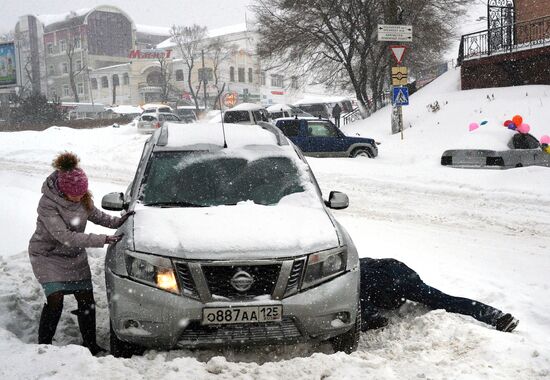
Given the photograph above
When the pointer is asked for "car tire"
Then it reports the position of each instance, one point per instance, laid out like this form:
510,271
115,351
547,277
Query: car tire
361,152
348,341
122,349
520,165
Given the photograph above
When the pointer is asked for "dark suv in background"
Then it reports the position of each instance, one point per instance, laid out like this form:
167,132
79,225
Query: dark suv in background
321,138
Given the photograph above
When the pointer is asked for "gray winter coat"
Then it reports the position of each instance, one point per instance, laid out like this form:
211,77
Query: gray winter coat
57,247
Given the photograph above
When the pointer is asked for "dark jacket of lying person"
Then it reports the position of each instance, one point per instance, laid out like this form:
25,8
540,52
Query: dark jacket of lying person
387,283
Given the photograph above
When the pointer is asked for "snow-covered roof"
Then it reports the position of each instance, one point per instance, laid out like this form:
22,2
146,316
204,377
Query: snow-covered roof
154,30
110,67
212,134
52,19
278,107
321,99
247,107
218,32
126,110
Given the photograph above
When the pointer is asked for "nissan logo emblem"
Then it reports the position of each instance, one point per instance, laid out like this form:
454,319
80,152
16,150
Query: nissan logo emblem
242,281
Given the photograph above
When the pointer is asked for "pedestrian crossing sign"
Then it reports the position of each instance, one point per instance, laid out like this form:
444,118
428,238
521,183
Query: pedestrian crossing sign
400,96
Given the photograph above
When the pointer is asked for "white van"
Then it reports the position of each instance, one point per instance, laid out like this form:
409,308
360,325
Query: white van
277,111
246,113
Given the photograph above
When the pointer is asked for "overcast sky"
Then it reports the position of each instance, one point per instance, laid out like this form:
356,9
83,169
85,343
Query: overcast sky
211,13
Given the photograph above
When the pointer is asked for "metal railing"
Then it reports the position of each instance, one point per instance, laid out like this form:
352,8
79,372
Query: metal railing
505,39
351,116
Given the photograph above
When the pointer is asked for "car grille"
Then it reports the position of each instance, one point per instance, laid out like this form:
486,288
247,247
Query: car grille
218,278
186,280
197,334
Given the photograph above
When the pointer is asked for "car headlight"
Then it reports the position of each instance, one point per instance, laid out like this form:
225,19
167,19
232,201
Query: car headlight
152,270
323,265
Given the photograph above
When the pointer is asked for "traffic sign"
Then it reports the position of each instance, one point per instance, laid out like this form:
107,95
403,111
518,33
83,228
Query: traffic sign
398,52
400,96
399,76
394,32
230,99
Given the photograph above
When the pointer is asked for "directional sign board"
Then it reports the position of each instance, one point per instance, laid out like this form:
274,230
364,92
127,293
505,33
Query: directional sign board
395,32
400,96
399,76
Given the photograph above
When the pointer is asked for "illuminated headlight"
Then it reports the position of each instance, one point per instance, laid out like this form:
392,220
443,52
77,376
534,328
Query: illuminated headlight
152,270
323,265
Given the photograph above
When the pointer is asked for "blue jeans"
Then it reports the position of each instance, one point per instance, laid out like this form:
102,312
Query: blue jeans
388,283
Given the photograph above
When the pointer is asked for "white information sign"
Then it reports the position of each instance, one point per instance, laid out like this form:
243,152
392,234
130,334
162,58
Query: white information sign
395,32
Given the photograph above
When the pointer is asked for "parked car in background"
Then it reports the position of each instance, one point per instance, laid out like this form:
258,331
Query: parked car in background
187,114
320,138
246,113
150,122
277,111
525,150
229,246
317,109
155,108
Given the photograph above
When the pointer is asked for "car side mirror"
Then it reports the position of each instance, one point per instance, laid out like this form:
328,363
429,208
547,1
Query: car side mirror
337,200
113,202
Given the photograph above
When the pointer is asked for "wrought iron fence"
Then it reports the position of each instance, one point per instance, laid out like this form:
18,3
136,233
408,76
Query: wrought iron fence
505,39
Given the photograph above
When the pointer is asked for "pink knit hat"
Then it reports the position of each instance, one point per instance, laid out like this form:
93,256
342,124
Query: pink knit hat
73,182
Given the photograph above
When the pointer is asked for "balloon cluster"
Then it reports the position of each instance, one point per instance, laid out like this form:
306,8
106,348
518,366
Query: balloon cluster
545,143
517,124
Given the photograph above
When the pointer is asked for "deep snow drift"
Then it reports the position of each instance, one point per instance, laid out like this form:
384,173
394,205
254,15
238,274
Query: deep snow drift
483,234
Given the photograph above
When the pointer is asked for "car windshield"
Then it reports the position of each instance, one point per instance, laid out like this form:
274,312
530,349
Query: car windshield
236,116
203,179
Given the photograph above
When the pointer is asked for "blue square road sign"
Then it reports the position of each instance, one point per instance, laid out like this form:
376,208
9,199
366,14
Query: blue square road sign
400,96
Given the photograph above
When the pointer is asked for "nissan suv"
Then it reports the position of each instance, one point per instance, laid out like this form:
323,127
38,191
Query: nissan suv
231,243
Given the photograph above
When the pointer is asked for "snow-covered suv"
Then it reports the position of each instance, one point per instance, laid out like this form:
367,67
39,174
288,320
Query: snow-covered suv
231,243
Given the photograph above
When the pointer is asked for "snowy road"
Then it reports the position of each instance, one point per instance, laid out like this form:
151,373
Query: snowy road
479,234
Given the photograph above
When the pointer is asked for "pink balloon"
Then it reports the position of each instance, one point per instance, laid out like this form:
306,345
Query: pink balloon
545,139
524,128
473,126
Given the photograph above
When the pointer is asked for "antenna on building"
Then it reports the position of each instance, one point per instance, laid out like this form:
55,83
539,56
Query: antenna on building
221,114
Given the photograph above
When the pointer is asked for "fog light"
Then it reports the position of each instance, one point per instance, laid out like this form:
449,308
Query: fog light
344,316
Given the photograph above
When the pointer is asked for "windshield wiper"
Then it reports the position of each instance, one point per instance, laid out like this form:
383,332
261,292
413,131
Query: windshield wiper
173,204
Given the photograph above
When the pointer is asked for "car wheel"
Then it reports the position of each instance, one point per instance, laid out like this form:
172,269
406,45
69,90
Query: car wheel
520,165
362,152
122,349
348,341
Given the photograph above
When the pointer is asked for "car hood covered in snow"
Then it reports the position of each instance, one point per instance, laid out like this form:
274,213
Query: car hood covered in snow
244,231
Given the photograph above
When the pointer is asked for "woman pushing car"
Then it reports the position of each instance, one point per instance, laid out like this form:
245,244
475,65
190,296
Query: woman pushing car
57,247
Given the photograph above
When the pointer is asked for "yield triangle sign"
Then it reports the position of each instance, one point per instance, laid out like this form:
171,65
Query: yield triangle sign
398,52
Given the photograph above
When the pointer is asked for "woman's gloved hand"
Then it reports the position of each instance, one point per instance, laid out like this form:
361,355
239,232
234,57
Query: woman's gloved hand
124,217
113,239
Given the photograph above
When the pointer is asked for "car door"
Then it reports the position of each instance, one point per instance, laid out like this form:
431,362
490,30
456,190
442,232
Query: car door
323,139
292,130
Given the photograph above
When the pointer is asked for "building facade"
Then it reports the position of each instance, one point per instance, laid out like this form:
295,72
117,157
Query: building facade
514,50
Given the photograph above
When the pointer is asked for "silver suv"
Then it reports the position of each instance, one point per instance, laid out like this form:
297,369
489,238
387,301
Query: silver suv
231,243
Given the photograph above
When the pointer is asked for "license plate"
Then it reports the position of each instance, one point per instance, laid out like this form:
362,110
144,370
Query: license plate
241,314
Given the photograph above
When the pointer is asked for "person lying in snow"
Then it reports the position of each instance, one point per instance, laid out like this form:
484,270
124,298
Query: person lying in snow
57,248
388,283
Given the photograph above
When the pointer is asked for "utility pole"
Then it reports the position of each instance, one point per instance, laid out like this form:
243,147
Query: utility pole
204,79
397,112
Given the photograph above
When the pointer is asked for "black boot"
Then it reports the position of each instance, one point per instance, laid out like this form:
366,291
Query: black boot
48,323
87,325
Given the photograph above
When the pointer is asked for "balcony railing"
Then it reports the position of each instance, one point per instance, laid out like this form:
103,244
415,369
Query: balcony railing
505,39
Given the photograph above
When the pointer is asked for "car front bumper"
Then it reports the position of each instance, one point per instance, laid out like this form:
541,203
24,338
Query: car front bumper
151,317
